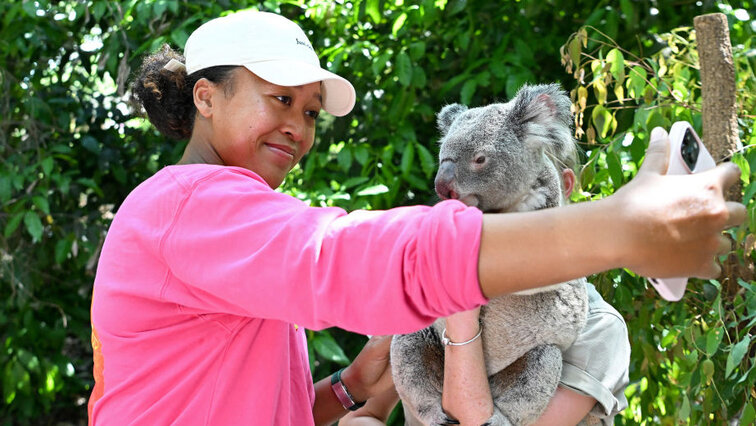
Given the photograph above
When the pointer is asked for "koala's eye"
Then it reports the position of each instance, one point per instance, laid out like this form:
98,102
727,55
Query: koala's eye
480,159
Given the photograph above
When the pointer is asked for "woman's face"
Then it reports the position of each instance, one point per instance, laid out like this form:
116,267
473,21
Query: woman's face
263,127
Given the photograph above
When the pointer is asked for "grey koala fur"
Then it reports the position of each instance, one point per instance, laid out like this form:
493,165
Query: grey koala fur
503,157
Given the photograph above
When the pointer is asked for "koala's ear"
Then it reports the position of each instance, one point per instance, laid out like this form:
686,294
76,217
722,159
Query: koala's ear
541,103
448,114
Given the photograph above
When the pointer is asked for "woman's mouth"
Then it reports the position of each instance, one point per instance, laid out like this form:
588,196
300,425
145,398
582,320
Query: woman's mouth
284,151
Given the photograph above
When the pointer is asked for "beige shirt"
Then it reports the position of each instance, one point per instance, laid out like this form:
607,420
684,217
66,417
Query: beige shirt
597,364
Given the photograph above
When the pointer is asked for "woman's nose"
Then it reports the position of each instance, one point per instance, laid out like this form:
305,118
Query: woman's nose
294,126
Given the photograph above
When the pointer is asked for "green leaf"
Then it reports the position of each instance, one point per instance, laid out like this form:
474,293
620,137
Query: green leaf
159,7
33,225
179,36
684,412
515,81
637,82
62,248
10,380
344,158
361,154
5,189
380,62
748,192
574,50
427,163
456,6
749,415
736,354
398,24
372,8
468,90
655,119
98,9
41,204
417,50
602,120
617,62
90,144
745,168
614,165
12,224
707,369
498,69
408,157
30,8
713,339
354,181
670,336
599,89
373,190
327,347
419,79
47,165
404,68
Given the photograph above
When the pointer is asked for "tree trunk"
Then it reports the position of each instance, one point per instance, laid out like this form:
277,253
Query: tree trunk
720,127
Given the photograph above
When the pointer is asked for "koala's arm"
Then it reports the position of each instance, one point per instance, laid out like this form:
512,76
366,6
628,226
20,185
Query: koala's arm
657,225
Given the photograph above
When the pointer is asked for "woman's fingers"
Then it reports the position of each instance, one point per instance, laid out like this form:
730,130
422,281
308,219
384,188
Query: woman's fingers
729,173
737,214
657,154
725,245
714,270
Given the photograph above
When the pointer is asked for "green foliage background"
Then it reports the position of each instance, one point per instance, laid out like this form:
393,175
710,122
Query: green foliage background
71,149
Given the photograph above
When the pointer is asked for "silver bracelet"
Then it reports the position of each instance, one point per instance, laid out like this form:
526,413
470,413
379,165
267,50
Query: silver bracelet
447,342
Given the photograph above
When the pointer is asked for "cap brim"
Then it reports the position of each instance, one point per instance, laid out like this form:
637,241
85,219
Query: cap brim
338,93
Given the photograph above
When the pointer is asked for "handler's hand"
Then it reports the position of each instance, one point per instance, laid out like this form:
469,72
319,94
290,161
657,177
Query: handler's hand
677,220
370,372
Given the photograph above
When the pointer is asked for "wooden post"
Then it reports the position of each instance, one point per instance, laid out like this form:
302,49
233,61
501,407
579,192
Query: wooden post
720,127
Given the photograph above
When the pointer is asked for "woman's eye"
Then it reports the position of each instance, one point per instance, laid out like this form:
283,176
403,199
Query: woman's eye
313,114
284,99
480,159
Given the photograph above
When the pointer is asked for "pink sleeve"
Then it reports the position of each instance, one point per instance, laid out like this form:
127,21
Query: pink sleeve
238,247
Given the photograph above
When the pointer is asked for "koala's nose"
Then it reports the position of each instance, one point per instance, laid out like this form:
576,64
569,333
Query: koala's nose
445,179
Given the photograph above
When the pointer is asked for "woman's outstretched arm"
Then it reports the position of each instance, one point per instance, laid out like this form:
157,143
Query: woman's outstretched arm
657,225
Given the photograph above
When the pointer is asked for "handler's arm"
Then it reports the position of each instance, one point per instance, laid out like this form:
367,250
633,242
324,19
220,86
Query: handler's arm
367,378
375,413
657,225
466,394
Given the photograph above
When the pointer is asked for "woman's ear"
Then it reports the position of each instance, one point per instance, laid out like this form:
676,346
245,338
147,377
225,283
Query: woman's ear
203,93
568,180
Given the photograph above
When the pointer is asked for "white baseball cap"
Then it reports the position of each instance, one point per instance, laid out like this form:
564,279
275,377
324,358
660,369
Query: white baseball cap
273,48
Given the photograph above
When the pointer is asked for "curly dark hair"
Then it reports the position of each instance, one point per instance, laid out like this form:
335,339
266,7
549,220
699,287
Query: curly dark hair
166,96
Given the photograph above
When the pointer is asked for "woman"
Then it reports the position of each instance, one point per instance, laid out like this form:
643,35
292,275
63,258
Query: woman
208,275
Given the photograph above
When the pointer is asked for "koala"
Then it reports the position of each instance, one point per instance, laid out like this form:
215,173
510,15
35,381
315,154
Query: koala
503,157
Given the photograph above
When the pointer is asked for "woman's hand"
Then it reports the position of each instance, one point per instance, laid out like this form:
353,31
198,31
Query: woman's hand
370,372
677,219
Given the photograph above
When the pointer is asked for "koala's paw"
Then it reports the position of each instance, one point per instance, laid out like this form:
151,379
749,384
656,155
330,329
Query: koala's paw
497,419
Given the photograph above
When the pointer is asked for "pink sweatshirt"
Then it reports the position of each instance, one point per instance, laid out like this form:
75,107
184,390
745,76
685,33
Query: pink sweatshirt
207,278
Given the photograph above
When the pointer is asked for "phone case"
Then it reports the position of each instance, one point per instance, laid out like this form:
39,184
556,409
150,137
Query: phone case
672,289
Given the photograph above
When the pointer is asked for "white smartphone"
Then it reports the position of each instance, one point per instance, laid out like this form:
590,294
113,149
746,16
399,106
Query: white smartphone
687,154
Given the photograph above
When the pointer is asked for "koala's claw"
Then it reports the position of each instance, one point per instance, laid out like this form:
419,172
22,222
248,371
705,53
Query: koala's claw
449,421
497,419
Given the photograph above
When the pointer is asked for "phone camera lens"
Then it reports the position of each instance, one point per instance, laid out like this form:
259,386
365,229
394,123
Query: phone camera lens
689,150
